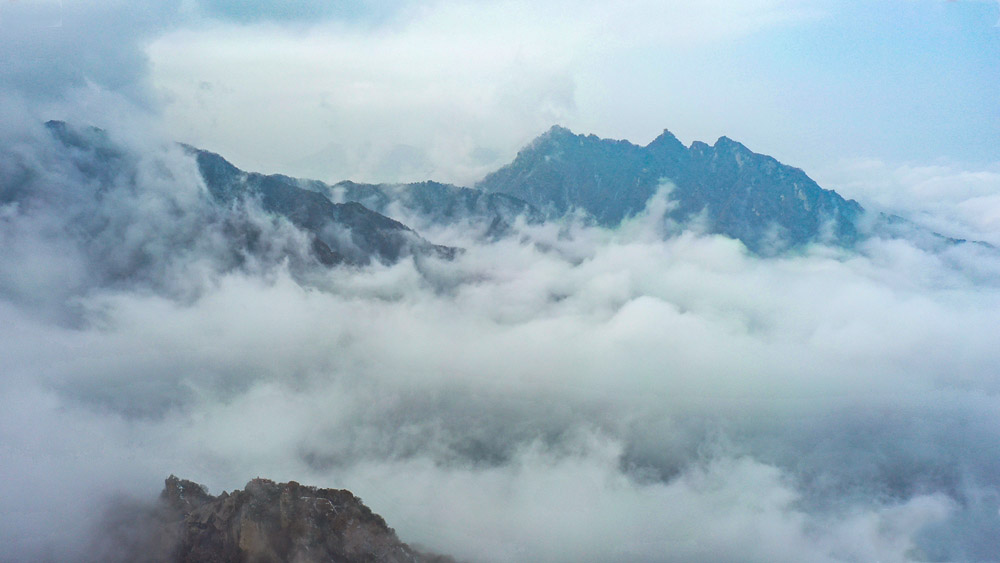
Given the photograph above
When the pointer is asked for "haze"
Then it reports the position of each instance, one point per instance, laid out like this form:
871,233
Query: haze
567,393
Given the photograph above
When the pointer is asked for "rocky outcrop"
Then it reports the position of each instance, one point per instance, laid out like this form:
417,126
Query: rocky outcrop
726,187
264,522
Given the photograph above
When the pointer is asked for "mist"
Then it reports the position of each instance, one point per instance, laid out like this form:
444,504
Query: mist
568,392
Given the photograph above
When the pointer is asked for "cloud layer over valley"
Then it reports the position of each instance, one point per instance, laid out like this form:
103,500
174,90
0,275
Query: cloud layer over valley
565,392
562,392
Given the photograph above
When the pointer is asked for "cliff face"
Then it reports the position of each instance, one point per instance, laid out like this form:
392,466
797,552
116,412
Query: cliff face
264,522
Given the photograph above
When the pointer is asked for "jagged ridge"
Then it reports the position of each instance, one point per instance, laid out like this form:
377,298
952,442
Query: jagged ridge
742,194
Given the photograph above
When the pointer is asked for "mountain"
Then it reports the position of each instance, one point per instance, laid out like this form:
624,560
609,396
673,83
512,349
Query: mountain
436,203
338,233
266,521
341,232
724,188
732,190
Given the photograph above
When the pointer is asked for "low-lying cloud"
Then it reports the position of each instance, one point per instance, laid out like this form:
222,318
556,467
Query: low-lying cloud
959,201
565,393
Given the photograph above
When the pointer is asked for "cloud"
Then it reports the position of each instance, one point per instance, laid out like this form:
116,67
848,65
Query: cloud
724,509
301,11
947,197
567,392
455,87
109,212
54,47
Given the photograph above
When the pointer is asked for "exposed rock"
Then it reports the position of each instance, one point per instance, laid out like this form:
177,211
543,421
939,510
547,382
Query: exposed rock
264,522
736,192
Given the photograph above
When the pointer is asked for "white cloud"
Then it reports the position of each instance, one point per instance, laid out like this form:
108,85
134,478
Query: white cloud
953,199
449,92
573,392
578,391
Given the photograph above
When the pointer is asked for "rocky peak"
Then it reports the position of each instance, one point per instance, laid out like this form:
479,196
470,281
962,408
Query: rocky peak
548,141
666,142
183,495
266,521
699,146
748,196
87,138
561,171
557,132
725,144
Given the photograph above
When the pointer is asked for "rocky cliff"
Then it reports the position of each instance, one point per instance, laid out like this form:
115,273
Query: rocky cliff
264,522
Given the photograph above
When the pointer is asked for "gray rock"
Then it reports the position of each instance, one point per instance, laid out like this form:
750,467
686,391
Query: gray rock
738,193
264,522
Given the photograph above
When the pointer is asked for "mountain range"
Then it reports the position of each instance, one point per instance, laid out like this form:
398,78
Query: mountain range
340,232
732,190
723,188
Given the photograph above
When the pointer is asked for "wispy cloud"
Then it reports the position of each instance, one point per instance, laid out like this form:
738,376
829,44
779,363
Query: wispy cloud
569,391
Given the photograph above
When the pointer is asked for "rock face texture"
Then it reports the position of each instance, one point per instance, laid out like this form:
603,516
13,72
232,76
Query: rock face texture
264,522
341,232
730,189
436,203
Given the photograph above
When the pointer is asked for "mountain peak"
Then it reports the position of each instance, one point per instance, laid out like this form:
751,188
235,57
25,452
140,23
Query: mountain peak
266,521
558,131
739,193
667,141
86,138
555,134
725,143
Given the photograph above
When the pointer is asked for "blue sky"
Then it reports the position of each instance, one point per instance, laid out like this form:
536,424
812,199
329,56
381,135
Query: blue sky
905,80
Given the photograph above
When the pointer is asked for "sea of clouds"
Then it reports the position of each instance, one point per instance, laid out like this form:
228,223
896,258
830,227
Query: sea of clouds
568,392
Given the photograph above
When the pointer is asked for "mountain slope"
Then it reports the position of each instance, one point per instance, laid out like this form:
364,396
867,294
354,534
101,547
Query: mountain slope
338,233
734,191
342,232
438,204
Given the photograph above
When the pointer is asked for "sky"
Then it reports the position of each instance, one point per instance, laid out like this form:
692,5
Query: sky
450,90
572,392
